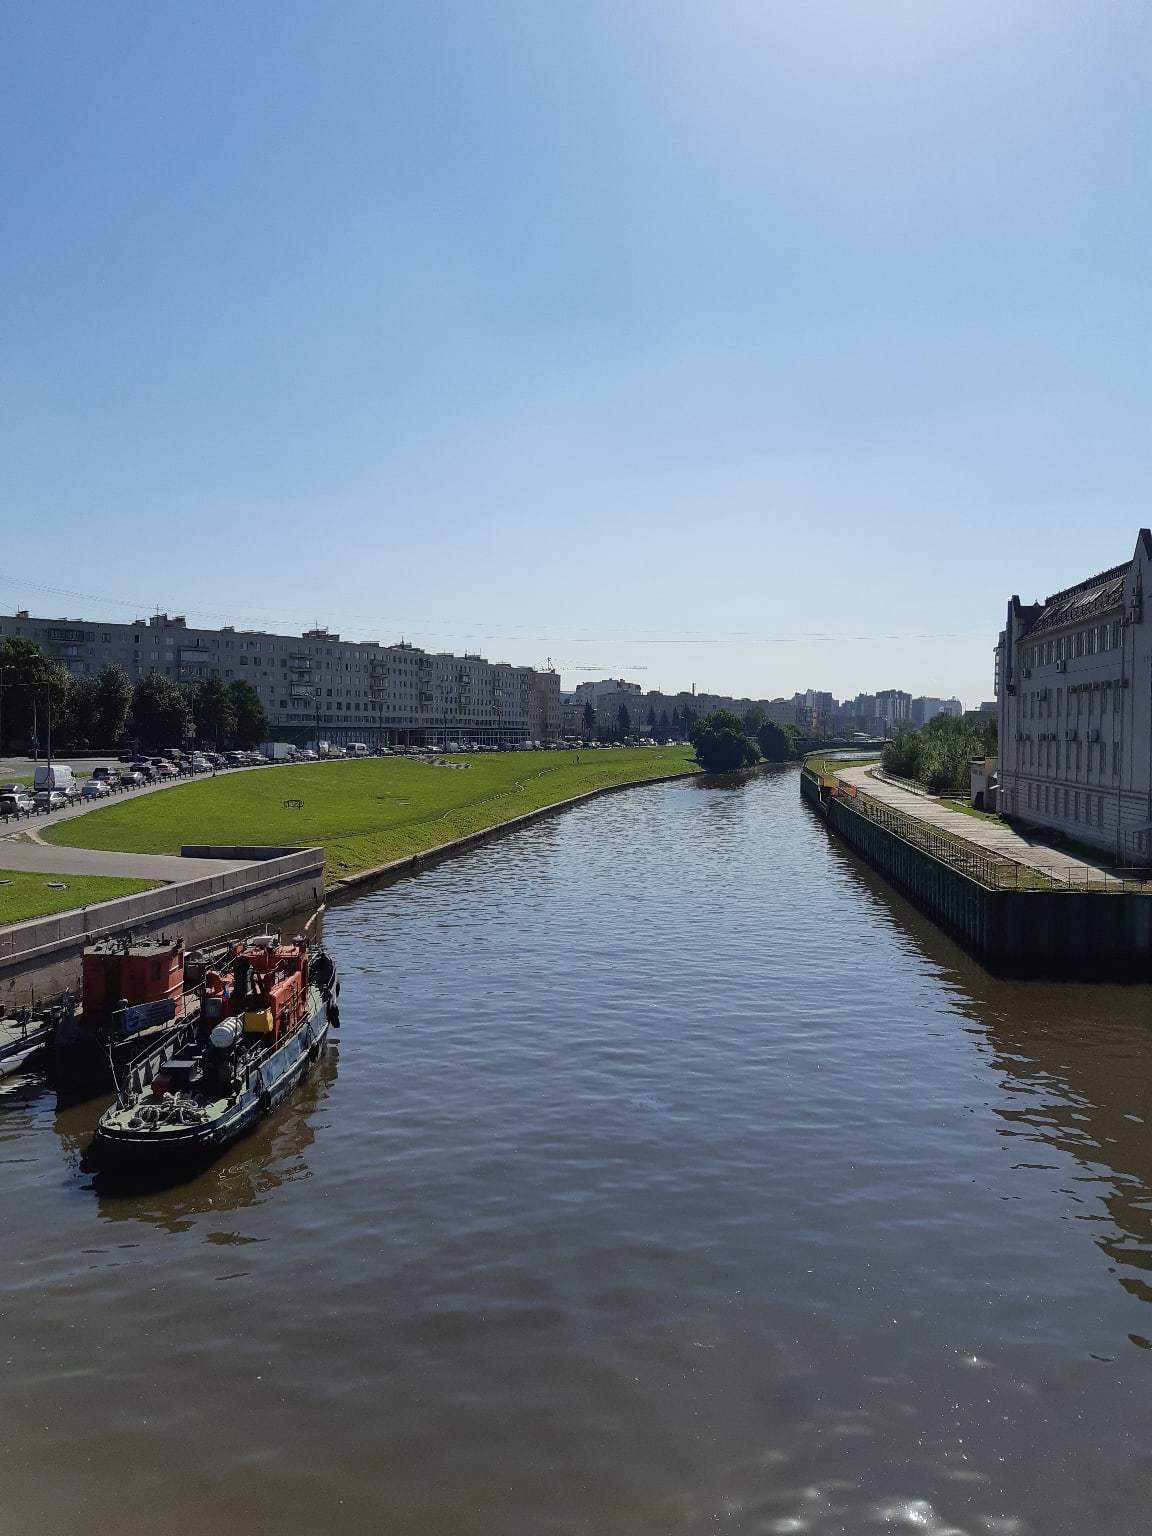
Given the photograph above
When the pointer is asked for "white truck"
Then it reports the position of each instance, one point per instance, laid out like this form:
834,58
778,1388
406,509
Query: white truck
278,751
53,776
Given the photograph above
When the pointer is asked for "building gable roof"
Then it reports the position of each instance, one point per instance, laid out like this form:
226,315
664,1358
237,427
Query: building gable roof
1097,595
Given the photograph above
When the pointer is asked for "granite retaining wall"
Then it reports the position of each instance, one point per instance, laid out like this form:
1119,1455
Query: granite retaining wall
41,958
1095,935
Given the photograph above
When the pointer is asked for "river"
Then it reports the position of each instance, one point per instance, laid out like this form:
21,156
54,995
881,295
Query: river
671,1175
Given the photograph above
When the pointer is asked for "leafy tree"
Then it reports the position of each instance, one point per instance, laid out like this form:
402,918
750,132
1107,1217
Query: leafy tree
589,722
901,755
161,714
30,684
938,755
753,719
113,700
214,711
251,721
651,723
721,744
623,721
677,724
77,730
663,727
777,744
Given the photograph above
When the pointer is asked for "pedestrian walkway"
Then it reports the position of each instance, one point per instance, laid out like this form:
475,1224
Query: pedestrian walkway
45,859
995,837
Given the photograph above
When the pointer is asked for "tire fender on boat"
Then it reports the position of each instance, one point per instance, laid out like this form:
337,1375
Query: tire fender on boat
334,1015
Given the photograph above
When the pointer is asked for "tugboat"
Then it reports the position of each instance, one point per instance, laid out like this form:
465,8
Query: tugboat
262,1021
132,990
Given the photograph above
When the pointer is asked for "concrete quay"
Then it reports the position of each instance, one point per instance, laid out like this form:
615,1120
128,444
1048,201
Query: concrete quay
221,891
995,837
1009,914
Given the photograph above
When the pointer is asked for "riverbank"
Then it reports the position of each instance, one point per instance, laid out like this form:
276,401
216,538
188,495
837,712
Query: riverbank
1045,921
370,813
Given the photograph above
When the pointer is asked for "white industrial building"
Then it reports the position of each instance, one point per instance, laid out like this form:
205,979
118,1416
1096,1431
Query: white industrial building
316,685
1074,695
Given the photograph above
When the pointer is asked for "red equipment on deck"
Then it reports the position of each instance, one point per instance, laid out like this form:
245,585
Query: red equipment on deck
119,971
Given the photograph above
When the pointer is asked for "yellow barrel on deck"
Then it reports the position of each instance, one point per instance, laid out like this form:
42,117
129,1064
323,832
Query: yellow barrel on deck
258,1022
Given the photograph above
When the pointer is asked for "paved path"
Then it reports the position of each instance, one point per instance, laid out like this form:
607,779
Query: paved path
21,848
42,858
995,836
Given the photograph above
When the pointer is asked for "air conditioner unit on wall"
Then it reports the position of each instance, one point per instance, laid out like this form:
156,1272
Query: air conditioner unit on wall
1061,666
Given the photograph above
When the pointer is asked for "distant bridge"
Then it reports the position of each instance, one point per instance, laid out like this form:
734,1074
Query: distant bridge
840,743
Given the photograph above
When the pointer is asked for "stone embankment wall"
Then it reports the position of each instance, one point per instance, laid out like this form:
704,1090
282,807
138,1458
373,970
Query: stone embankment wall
41,958
1097,934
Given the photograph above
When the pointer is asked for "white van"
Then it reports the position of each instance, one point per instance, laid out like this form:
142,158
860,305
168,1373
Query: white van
358,749
54,776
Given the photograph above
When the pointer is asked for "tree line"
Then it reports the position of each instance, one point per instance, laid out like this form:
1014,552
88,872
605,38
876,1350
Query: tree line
662,727
107,710
937,755
724,742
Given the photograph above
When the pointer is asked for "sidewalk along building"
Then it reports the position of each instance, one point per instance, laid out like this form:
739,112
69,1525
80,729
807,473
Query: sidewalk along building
1074,698
316,684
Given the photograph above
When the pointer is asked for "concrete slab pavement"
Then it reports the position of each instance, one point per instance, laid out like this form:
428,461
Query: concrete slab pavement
43,859
995,837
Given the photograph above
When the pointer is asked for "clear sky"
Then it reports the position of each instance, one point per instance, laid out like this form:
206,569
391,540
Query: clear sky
759,344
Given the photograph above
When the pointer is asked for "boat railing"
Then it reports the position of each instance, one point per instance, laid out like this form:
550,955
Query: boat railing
142,1071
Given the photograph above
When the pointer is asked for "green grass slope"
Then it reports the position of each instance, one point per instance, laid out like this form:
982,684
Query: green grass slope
362,813
24,895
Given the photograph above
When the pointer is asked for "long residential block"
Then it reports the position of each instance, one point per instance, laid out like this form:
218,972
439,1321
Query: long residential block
316,685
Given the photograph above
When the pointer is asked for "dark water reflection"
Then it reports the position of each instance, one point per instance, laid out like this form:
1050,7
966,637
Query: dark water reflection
677,1177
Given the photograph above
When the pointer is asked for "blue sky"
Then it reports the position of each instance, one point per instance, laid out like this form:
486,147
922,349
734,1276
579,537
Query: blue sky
757,345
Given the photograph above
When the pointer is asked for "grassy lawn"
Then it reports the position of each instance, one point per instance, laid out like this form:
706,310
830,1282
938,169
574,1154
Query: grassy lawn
827,766
969,810
24,895
362,813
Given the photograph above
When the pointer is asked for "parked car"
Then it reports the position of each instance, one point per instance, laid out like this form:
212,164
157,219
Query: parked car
108,776
50,800
16,803
95,789
165,771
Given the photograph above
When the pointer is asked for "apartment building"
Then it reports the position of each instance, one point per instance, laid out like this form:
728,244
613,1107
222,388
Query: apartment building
316,685
1073,680
894,708
927,708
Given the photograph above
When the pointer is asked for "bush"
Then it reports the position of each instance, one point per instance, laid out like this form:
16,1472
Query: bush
721,744
938,755
777,743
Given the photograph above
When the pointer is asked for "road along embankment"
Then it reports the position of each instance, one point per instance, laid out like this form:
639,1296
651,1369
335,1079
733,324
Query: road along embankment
41,958
1012,917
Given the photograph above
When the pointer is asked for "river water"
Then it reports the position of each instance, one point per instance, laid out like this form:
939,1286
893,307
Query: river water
671,1176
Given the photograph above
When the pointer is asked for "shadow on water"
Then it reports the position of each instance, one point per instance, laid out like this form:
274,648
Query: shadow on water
1075,1060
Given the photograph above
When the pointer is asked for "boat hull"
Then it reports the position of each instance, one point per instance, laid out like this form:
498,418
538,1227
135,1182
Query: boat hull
121,1146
